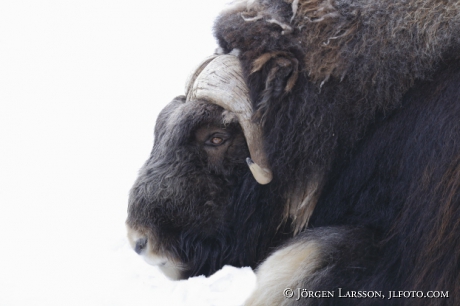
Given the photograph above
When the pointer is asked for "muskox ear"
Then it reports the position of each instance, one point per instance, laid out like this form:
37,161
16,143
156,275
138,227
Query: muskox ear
273,75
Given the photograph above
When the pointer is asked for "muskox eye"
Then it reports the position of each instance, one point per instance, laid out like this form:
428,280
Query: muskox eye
217,140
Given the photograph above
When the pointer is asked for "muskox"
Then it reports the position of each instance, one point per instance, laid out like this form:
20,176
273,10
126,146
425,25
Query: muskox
348,116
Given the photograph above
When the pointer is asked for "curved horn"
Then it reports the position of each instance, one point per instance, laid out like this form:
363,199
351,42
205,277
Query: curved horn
219,80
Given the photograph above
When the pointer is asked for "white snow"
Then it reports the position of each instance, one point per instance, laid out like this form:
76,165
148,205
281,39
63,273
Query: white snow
81,83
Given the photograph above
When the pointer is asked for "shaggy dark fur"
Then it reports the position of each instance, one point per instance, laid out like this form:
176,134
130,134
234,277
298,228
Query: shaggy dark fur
375,109
356,58
360,97
403,184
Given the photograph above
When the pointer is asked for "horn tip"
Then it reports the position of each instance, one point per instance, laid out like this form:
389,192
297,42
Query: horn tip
261,175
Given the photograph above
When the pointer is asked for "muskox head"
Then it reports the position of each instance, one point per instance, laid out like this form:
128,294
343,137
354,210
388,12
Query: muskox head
185,208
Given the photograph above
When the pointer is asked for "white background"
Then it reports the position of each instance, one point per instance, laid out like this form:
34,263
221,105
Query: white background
81,83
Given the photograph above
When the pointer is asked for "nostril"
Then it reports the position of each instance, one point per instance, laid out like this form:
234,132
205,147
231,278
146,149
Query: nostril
140,245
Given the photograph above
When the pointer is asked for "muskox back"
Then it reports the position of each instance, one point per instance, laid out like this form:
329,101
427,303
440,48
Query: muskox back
386,229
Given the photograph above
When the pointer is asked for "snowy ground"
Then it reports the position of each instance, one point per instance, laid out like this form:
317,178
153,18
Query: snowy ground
81,83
